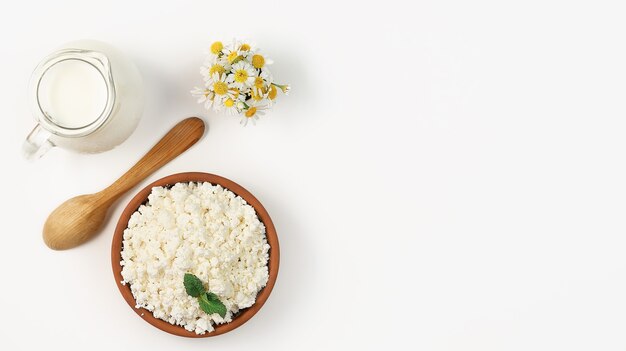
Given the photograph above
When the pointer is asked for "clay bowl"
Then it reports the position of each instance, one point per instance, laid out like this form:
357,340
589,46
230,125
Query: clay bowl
274,255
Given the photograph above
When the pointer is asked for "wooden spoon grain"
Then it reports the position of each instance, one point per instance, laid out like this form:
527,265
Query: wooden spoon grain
78,219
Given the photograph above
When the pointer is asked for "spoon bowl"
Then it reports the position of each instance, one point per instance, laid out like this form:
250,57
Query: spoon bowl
82,216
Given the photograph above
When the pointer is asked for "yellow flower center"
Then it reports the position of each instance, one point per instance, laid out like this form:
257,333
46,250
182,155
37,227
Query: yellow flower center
232,56
235,91
229,102
258,82
244,47
216,47
258,61
220,88
216,69
251,111
273,92
241,76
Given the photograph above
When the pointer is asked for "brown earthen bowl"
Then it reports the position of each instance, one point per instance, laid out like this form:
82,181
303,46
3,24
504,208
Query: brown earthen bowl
242,316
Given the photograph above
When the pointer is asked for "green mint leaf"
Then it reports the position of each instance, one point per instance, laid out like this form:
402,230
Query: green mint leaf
210,303
193,285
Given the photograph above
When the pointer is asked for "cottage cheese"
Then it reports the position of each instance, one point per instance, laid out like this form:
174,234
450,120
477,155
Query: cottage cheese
202,229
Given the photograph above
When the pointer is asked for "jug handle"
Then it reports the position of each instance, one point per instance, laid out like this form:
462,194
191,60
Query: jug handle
37,143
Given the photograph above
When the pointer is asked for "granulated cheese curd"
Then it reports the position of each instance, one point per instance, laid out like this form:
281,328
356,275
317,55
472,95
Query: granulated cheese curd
202,229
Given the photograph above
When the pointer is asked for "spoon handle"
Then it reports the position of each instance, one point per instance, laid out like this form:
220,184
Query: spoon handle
180,138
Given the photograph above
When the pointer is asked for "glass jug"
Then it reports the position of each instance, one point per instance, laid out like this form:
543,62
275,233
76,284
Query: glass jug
86,97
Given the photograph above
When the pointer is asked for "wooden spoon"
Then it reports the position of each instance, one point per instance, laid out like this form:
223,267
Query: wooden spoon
80,218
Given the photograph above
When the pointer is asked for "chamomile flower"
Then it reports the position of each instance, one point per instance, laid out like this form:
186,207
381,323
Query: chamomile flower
232,55
214,51
259,60
243,75
214,65
212,70
254,56
246,48
204,96
219,86
253,111
216,48
231,106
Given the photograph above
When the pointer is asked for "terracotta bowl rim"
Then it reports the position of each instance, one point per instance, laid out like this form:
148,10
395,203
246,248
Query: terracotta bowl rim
186,177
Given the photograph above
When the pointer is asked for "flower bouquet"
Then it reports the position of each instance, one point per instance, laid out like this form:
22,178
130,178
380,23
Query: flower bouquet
237,81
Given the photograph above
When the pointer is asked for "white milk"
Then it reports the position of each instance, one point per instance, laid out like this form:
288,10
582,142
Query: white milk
73,93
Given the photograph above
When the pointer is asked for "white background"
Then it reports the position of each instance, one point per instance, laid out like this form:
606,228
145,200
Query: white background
447,175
